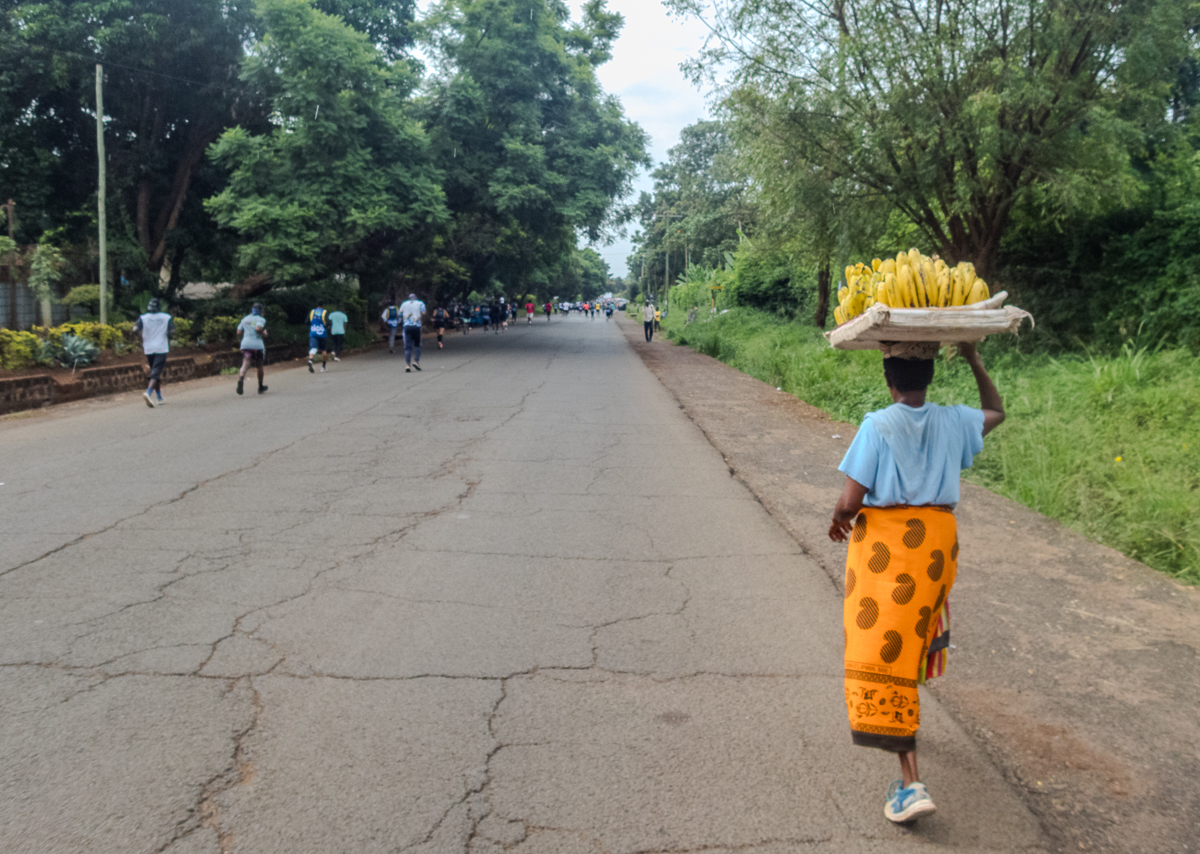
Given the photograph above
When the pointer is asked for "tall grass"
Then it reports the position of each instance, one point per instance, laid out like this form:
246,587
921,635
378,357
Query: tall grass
1109,445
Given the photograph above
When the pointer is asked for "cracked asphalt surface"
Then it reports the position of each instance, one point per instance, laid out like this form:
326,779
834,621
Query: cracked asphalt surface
516,602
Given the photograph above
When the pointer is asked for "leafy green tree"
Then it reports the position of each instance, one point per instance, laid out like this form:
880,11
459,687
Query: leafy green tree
387,23
343,177
702,201
170,90
957,112
534,153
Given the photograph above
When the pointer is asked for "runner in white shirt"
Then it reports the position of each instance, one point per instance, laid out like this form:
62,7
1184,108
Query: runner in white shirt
648,319
412,310
156,328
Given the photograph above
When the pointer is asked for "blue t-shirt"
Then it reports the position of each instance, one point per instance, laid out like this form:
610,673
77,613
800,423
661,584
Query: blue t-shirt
337,322
907,455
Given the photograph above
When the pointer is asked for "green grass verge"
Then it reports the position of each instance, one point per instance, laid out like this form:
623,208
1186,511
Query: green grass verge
1108,445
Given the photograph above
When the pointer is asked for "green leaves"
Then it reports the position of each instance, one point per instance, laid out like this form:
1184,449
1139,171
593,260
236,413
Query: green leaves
532,150
955,112
344,165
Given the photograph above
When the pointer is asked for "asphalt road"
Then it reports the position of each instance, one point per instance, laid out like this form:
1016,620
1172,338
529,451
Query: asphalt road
514,602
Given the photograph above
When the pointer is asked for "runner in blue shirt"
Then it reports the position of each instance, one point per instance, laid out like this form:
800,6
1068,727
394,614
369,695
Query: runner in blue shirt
318,336
391,316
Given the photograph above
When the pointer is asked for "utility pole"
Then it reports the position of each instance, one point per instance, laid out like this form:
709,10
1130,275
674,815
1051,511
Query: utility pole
102,214
667,276
12,274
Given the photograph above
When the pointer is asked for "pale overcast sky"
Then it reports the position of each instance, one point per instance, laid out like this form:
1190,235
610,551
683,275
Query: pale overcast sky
644,73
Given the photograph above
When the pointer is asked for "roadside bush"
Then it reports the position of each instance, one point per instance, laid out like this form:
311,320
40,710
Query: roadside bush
1109,445
87,296
183,333
19,349
72,351
102,335
220,328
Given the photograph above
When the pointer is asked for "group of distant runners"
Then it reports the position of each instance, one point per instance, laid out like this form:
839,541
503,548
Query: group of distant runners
326,335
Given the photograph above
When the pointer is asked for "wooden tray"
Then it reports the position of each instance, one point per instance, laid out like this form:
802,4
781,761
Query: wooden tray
880,325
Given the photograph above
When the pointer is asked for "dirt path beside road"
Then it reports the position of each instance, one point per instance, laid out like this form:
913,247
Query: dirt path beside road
1074,667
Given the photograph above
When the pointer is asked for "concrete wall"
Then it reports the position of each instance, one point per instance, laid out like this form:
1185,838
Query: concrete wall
27,309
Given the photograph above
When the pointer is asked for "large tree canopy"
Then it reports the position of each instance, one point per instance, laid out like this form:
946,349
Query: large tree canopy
171,88
954,111
280,141
344,174
534,152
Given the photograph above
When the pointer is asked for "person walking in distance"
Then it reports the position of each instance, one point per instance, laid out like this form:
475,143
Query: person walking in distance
440,318
412,310
648,320
254,350
318,336
657,320
391,316
529,313
337,332
548,308
897,509
608,312
156,328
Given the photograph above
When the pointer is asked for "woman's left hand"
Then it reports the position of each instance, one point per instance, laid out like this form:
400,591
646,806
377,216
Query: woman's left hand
839,532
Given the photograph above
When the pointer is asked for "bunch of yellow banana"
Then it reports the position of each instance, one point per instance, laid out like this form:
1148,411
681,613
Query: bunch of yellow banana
910,280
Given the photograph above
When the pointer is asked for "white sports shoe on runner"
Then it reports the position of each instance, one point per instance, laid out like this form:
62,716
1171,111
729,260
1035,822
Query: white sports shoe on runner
149,399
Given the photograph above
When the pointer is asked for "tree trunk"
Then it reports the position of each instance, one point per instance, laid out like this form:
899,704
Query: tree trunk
822,293
253,286
143,216
168,215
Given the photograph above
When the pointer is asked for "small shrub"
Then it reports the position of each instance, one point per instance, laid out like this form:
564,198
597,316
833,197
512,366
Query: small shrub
18,349
221,328
87,296
74,351
183,333
102,335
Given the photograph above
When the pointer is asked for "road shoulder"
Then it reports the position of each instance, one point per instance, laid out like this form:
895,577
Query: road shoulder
1072,662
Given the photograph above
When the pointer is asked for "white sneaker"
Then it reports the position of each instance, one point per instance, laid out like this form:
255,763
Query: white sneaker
907,803
149,399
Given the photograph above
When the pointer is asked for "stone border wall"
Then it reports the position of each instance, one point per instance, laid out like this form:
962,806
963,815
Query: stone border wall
20,393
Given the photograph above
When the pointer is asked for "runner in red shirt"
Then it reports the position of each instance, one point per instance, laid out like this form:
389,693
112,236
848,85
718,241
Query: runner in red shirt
529,312
547,308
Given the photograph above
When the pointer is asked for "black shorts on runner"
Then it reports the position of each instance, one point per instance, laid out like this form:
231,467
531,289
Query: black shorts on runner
157,362
339,341
256,356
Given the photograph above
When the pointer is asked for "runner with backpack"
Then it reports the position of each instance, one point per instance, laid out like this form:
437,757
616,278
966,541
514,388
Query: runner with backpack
318,336
391,316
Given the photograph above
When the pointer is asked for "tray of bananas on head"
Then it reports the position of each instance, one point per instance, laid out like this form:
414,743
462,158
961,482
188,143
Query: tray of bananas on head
912,304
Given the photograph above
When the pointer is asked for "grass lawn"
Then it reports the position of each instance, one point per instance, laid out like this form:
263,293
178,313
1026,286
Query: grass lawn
1108,445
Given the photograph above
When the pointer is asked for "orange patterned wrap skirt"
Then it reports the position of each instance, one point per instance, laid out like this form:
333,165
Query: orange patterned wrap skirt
899,570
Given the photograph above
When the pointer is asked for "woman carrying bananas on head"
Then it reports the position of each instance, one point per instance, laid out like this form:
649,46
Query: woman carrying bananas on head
902,485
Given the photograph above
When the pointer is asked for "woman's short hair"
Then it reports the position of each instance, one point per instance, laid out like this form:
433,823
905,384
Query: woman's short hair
908,374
